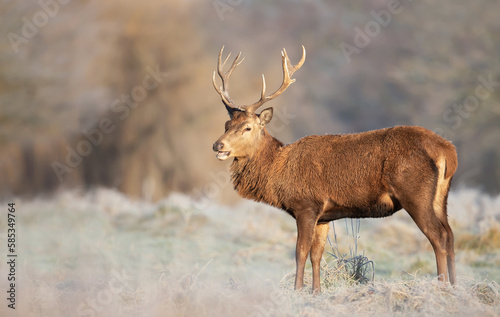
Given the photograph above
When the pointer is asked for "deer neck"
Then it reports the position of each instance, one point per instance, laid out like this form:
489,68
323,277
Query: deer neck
250,175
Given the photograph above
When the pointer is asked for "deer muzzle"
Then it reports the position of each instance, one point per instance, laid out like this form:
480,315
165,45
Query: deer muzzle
221,155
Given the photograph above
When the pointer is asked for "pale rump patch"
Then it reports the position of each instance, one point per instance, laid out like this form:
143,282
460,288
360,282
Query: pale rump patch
441,188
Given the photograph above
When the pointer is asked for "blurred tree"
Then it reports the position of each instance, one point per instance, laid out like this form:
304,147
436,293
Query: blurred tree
118,93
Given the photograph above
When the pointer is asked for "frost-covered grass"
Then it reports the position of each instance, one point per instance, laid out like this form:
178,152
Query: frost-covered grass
99,253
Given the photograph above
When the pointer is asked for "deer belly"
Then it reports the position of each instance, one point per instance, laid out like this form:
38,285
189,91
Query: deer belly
383,206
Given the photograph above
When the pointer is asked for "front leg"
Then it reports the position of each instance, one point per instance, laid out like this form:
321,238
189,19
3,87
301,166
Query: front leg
306,223
318,246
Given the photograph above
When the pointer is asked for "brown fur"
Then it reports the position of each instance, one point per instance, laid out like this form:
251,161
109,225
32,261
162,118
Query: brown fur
353,173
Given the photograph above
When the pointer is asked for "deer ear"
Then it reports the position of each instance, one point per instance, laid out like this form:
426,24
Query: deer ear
265,116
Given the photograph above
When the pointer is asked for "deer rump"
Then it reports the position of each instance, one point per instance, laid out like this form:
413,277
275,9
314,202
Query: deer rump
365,175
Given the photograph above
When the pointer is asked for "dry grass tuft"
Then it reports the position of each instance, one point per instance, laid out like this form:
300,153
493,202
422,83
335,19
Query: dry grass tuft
486,293
358,268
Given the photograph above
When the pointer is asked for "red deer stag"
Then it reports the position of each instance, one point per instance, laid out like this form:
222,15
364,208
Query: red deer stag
319,179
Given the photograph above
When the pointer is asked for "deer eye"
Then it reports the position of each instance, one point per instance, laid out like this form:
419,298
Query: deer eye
247,129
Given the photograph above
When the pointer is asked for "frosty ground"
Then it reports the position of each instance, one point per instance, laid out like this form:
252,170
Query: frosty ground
99,253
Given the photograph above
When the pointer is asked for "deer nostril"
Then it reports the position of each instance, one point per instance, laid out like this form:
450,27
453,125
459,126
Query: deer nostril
218,146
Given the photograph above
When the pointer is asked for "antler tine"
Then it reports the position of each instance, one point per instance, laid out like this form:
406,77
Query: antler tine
263,93
222,90
293,69
235,63
224,63
225,100
288,70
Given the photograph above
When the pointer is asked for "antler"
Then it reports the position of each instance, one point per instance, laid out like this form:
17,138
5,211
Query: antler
228,102
288,70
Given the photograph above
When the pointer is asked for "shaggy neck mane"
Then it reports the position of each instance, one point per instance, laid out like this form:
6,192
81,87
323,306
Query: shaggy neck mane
251,175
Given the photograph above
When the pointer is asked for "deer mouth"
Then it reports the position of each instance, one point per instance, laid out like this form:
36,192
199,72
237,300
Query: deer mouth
223,155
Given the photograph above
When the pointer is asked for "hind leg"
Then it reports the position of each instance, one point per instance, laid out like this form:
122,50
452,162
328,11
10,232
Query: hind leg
436,233
423,195
450,250
441,213
440,210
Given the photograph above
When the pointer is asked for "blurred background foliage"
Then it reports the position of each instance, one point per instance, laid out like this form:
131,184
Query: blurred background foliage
75,70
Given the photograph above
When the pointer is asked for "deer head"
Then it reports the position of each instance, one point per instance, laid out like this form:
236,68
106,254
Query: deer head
245,129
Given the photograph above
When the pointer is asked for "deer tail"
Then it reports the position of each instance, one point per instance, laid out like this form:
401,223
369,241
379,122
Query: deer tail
450,155
444,155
